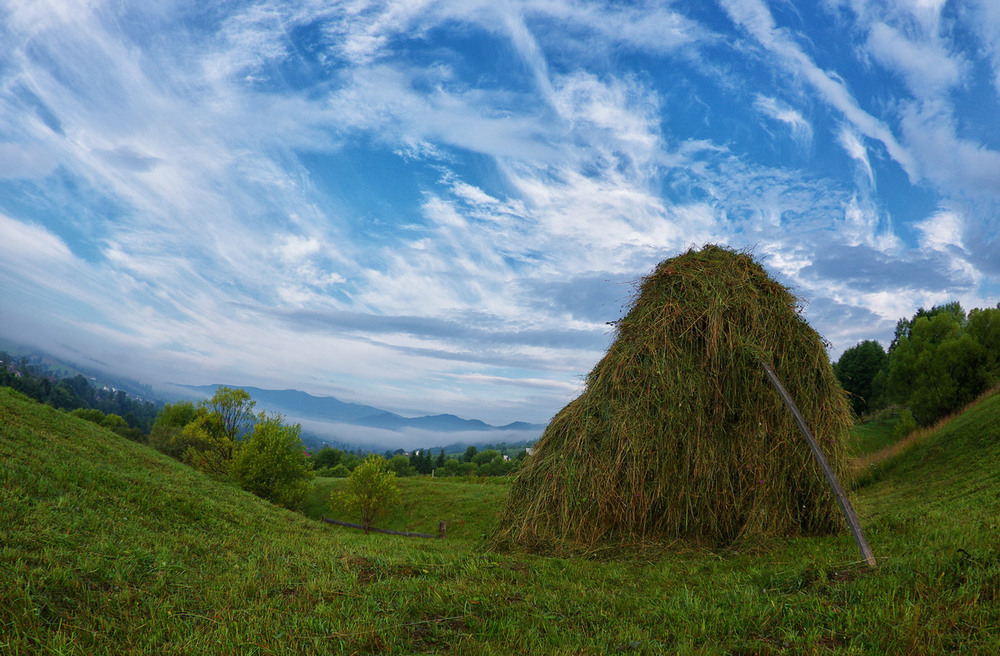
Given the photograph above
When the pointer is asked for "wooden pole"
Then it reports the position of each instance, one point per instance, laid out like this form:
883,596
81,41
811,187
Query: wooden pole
831,477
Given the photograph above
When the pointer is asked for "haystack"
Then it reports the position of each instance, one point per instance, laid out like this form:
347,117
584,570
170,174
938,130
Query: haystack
678,433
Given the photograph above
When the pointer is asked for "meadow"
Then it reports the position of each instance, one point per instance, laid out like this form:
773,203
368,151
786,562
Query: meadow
108,547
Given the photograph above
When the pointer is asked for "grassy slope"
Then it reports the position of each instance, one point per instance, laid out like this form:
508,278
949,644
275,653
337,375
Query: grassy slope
107,547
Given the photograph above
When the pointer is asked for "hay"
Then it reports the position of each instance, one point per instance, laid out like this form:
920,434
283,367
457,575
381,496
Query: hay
678,433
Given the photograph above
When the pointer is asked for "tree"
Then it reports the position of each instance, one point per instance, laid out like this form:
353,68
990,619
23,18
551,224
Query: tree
90,414
371,491
235,407
422,461
449,468
470,453
984,327
937,368
401,466
857,369
205,444
168,425
905,326
486,456
271,462
326,457
439,462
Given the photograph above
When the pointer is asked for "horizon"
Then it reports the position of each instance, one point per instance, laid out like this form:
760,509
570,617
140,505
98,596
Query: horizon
443,206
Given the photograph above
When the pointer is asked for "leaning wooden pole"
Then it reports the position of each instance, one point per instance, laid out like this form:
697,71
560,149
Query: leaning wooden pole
831,477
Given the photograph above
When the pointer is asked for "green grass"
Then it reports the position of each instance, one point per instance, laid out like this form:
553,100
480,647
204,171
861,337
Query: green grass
873,435
107,547
469,506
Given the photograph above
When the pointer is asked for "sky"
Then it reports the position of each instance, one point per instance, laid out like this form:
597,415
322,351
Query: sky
439,206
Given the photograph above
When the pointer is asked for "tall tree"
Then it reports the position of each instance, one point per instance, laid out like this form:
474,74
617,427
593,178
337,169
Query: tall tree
235,407
857,369
937,368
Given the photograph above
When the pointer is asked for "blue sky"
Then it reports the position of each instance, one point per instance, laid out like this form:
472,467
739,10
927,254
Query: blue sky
440,205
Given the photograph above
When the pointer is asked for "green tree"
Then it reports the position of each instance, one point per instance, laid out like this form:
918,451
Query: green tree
90,414
422,461
905,326
326,457
937,368
271,463
351,461
371,491
206,444
235,407
470,453
857,370
486,456
169,423
984,327
439,462
401,466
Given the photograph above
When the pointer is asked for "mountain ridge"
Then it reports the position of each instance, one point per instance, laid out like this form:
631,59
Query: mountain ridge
301,404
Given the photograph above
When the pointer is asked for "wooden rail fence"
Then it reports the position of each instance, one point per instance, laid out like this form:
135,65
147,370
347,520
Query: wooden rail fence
442,529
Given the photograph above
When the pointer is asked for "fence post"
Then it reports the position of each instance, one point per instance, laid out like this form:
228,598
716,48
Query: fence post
442,528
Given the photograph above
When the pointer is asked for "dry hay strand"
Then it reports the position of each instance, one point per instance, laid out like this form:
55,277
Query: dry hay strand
678,433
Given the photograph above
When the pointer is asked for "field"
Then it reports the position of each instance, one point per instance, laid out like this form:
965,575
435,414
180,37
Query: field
107,547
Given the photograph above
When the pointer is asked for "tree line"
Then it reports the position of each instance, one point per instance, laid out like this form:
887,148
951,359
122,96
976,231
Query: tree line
938,361
333,463
114,409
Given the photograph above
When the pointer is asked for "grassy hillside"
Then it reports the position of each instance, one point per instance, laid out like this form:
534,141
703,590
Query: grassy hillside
106,547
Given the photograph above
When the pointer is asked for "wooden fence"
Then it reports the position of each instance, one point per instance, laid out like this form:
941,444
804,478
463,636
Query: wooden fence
442,529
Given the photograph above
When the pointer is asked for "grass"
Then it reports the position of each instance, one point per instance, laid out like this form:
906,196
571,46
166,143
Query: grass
872,435
469,506
107,547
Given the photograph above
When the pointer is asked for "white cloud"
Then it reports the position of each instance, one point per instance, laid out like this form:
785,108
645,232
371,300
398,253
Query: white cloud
857,151
942,231
25,161
23,243
773,108
929,70
753,15
985,24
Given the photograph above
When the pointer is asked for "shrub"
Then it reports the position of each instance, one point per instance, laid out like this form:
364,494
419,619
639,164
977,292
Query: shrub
906,424
271,463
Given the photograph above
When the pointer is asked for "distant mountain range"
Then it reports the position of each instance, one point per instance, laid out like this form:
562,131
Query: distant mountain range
327,408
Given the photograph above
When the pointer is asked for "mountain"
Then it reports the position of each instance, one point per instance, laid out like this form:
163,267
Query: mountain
301,405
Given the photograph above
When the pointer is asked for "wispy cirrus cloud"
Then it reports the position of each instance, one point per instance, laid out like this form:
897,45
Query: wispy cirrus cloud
419,204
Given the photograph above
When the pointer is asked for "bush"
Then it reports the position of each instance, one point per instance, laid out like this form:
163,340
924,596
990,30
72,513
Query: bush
327,458
906,424
371,491
340,471
271,462
402,466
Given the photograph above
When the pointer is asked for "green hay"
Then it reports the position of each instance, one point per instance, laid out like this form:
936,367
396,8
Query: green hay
679,434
